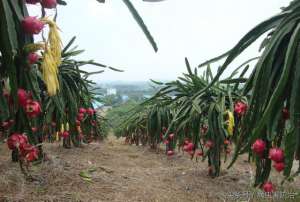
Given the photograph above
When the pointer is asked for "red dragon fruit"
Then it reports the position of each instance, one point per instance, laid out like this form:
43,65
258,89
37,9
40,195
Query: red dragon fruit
17,140
32,154
82,110
33,108
171,136
188,147
80,116
65,134
199,153
22,97
90,111
240,108
276,154
13,141
259,147
49,3
279,166
31,25
34,129
170,153
33,58
268,187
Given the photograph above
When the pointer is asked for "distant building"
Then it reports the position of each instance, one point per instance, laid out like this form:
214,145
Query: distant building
125,98
111,91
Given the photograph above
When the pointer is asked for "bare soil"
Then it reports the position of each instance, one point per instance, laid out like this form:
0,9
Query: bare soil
117,172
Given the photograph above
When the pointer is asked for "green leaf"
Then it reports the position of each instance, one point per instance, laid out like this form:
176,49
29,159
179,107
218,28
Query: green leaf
289,151
141,23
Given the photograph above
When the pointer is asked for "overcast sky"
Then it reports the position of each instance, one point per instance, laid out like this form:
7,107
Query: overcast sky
197,29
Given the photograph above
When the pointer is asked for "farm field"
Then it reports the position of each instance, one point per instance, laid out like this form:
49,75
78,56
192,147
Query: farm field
149,100
120,172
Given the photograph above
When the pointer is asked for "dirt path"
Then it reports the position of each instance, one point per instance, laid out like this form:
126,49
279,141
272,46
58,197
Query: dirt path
120,172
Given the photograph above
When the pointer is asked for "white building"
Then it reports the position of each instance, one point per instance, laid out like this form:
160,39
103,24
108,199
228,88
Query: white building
111,91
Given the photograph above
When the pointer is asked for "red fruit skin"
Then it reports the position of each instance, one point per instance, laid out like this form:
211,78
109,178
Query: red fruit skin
31,25
279,166
268,187
32,155
189,147
13,141
33,58
285,114
24,137
170,153
171,136
34,129
199,153
49,4
90,111
78,123
226,142
276,154
32,1
23,141
22,97
65,134
82,110
80,116
16,141
166,142
33,108
25,149
258,147
240,108
164,129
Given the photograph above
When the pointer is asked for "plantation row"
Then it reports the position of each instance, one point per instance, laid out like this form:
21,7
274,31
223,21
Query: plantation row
46,94
209,115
